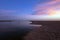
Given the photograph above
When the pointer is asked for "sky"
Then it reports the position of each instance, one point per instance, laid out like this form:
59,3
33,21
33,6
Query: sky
10,8
26,7
48,8
18,7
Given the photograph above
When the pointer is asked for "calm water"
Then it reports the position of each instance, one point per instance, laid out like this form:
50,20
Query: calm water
13,30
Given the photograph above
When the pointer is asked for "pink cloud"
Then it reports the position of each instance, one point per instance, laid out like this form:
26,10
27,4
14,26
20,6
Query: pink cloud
44,8
57,0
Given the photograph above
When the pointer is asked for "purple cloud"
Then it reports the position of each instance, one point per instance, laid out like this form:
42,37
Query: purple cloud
47,7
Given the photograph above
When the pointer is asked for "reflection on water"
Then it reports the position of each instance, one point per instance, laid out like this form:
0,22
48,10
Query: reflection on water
15,33
13,30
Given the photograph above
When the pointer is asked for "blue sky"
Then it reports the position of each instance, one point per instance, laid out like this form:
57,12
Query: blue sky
20,6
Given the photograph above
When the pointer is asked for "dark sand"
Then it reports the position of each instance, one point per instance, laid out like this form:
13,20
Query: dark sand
44,33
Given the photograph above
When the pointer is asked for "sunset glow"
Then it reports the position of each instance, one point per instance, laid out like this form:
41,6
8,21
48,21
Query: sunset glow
51,8
54,12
